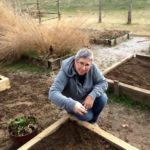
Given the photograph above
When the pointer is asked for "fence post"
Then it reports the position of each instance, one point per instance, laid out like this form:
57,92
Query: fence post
38,11
58,9
100,11
116,87
130,12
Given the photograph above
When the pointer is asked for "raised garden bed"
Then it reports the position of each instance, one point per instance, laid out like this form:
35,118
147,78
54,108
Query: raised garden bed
131,77
52,63
108,37
70,133
4,83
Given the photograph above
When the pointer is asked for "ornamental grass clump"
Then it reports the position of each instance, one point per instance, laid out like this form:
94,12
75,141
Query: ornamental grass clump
21,34
67,37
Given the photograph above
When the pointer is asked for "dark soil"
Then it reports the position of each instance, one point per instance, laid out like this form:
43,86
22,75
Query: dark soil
107,34
71,136
29,95
134,72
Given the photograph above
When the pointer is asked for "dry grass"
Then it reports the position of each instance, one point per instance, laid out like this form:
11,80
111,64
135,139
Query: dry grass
66,36
20,34
117,20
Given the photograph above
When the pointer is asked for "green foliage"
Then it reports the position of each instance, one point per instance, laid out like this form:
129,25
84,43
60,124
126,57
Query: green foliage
23,66
18,125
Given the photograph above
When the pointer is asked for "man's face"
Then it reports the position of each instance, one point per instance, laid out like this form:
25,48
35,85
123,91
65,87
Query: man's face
83,65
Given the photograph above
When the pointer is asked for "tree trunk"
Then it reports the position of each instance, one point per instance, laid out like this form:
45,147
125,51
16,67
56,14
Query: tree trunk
130,12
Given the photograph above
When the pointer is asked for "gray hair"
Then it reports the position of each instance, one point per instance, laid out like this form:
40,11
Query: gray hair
84,53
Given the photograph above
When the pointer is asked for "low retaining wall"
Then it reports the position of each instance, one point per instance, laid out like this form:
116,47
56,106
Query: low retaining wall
111,42
52,63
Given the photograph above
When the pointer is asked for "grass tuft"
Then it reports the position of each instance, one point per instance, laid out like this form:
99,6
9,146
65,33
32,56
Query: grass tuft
127,102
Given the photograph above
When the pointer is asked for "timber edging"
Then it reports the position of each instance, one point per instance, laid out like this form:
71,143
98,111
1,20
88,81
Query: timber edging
4,83
122,145
122,89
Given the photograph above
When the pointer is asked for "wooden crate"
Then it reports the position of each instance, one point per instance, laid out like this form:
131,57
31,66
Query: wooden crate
133,92
118,143
4,83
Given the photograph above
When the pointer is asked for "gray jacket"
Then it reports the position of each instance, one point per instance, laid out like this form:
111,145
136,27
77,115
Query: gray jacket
66,89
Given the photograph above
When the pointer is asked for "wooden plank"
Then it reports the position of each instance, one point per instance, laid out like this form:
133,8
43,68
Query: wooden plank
55,63
117,64
107,136
137,35
51,129
135,93
143,56
4,83
121,38
112,42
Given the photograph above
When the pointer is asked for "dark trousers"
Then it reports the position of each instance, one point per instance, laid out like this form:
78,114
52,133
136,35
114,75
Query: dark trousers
93,114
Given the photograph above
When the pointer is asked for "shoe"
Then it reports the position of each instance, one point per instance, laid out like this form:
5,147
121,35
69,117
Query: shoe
95,124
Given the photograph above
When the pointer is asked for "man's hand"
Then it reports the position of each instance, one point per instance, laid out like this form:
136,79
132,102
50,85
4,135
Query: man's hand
88,102
79,108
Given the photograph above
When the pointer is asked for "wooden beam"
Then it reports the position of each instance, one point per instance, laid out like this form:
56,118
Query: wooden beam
4,83
143,56
105,135
51,129
117,64
135,93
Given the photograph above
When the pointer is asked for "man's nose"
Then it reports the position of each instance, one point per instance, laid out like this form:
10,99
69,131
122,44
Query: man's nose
84,67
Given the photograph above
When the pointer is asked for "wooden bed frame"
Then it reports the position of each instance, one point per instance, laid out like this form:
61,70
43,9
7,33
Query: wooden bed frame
54,127
133,92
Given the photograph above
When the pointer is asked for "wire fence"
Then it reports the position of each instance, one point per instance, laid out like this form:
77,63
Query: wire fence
104,9
38,9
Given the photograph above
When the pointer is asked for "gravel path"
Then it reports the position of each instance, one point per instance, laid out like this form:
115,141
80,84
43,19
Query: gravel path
107,56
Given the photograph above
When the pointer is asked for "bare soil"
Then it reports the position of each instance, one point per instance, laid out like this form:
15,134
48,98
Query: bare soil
71,136
134,72
29,95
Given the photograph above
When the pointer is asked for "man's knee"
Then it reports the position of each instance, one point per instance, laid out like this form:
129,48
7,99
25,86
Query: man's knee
86,117
102,100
